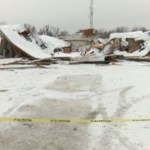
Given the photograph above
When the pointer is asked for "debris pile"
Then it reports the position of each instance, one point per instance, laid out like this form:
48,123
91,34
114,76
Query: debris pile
18,42
130,45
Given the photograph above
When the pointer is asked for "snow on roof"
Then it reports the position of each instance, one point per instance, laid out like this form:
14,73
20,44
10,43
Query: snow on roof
138,35
19,27
27,47
52,42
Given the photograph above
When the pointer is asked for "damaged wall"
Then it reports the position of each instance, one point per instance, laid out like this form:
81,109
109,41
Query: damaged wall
9,50
132,44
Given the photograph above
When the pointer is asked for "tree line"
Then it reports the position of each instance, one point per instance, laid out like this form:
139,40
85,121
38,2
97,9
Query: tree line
103,33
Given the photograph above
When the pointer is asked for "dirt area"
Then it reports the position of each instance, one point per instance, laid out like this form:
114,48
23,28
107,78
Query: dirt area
75,92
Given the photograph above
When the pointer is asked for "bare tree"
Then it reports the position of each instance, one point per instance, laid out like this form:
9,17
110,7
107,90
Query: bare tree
121,29
103,33
52,31
64,33
139,28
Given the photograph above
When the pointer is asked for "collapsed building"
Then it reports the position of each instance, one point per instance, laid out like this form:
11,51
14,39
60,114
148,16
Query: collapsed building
18,41
129,41
81,38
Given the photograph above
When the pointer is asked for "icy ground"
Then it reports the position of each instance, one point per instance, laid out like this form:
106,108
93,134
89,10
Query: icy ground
76,92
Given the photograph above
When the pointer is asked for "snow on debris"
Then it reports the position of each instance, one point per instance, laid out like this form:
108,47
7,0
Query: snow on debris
92,51
136,53
27,47
99,40
53,43
71,55
10,60
138,35
140,53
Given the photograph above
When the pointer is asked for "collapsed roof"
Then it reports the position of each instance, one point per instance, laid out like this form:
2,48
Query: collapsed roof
18,28
30,49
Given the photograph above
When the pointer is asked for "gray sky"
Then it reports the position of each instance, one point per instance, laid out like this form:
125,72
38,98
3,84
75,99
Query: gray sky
74,14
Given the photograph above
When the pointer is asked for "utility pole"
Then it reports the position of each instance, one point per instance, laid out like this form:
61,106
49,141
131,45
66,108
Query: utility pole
91,14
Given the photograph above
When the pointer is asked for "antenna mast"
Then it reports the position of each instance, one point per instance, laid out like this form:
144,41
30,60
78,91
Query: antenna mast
91,14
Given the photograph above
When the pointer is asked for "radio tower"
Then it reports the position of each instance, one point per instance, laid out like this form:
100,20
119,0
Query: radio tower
91,14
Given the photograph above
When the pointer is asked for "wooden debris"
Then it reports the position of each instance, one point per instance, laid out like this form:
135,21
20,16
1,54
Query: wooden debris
133,58
101,46
89,59
45,61
115,58
19,67
83,60
62,58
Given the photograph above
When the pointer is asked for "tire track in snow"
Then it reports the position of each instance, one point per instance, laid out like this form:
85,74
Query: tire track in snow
112,132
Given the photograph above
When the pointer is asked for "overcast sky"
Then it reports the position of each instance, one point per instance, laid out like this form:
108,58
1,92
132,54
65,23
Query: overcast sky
74,14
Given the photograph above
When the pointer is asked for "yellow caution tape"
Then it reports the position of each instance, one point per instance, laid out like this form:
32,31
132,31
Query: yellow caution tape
71,121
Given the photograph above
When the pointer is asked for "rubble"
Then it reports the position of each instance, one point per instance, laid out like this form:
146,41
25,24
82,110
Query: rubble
17,42
128,42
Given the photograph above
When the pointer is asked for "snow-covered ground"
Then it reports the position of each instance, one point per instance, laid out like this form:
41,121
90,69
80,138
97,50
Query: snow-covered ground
119,91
